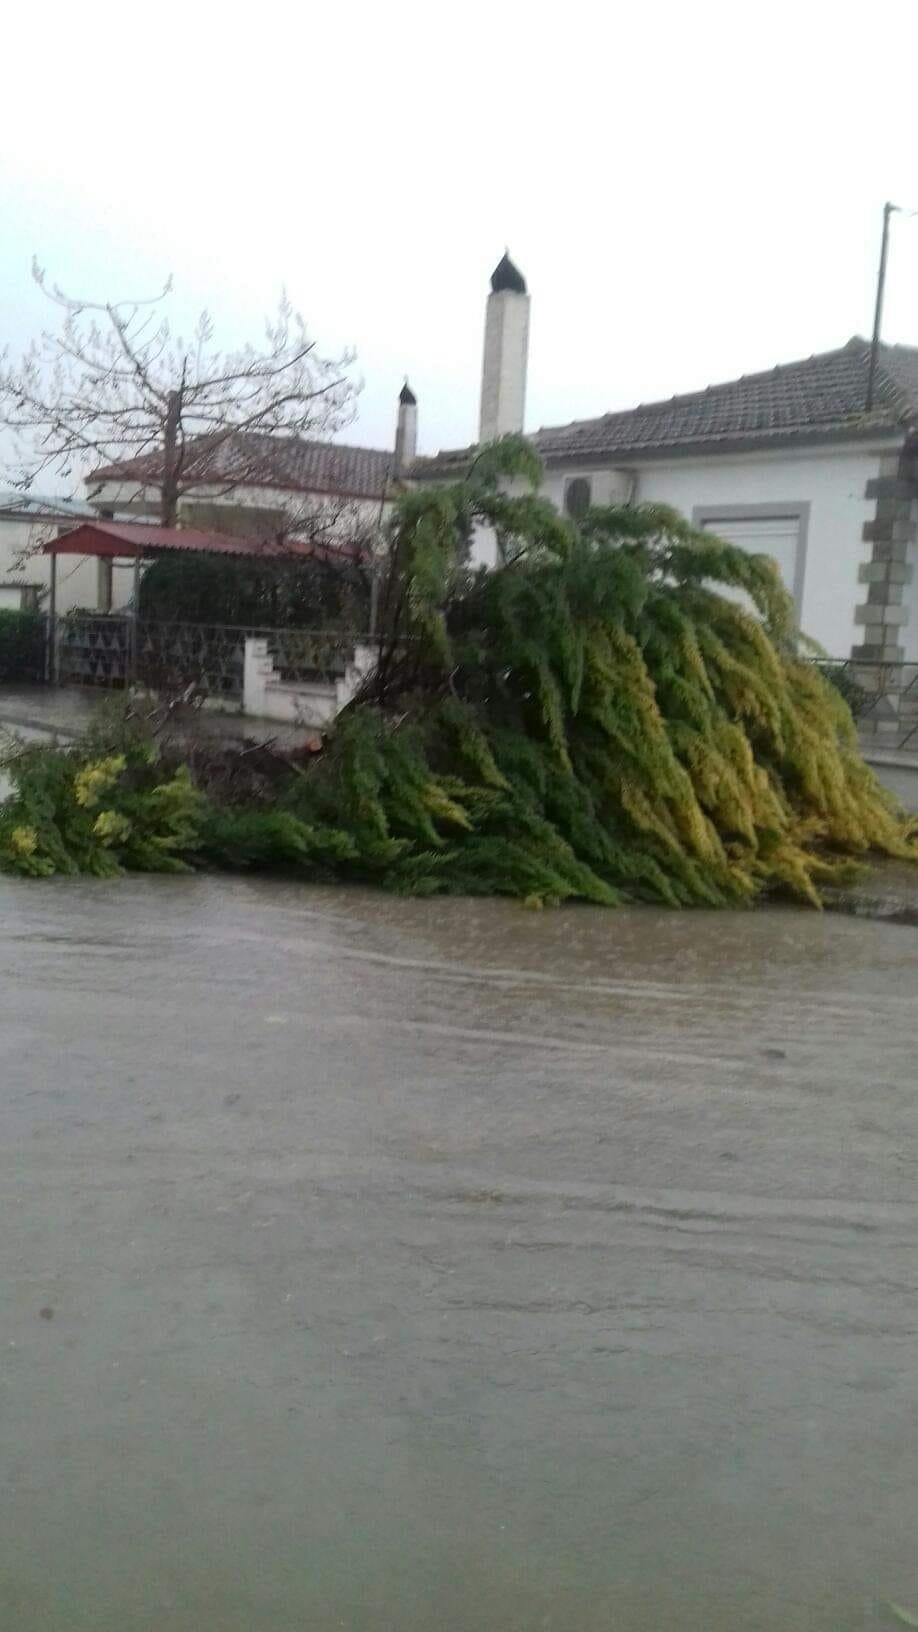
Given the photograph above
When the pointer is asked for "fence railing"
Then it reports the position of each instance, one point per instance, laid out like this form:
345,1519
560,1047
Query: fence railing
883,697
116,651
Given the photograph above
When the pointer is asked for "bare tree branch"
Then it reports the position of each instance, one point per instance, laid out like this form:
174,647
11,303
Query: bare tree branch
112,394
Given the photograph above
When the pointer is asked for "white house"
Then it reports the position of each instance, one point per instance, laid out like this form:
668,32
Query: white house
26,524
263,487
789,462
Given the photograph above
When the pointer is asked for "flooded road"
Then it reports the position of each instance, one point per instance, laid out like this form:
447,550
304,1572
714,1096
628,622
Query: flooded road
408,1266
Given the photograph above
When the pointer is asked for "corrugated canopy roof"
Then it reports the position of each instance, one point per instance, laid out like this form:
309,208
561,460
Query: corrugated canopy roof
130,539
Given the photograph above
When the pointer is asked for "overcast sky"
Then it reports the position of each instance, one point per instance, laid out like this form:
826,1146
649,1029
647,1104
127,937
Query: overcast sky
693,191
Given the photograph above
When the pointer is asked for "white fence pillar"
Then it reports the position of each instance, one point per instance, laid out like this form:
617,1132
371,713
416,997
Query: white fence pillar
362,663
258,669
313,700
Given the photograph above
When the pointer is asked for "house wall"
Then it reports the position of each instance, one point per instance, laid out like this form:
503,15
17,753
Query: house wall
338,512
908,633
21,563
608,487
831,483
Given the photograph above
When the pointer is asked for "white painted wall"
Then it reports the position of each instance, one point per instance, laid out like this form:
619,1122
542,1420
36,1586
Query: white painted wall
608,487
832,482
21,562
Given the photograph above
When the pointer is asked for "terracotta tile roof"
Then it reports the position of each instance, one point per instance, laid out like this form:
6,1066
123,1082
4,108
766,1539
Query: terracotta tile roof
256,459
817,399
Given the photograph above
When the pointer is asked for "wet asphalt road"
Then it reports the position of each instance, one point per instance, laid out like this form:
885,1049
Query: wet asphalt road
389,1265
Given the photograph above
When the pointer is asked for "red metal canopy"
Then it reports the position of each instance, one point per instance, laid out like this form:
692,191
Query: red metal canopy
132,539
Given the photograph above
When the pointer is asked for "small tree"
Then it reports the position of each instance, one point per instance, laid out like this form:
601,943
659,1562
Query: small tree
113,385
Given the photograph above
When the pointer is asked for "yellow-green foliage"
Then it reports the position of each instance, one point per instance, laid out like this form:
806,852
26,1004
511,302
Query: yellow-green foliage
607,721
82,812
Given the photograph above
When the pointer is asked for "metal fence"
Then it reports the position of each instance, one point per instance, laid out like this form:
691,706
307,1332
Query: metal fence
883,697
117,651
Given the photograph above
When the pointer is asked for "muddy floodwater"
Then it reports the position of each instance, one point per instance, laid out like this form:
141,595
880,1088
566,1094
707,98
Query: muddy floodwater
401,1266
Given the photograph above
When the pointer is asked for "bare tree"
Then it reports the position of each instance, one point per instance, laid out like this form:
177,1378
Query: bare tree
113,387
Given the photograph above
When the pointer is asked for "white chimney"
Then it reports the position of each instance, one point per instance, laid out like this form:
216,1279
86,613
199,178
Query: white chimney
506,349
406,433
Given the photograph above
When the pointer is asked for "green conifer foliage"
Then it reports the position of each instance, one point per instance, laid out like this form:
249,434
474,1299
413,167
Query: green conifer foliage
593,718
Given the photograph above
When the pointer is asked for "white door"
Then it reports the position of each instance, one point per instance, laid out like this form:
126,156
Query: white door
777,536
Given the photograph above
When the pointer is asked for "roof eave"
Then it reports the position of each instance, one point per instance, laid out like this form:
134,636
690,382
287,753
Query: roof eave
707,447
454,468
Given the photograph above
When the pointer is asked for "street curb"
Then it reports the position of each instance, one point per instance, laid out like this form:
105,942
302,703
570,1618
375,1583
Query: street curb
893,761
877,909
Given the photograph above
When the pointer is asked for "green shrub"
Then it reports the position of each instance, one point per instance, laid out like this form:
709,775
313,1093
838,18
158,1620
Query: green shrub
79,811
22,646
306,594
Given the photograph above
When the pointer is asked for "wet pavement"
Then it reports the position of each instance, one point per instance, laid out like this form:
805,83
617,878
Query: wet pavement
64,710
899,773
397,1265
67,711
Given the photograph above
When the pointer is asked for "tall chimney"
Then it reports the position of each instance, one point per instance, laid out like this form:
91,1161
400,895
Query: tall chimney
506,349
406,432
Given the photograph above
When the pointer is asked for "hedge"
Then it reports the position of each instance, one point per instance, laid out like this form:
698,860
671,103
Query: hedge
22,646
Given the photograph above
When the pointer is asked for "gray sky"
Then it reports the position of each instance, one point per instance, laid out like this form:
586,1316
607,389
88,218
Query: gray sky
692,191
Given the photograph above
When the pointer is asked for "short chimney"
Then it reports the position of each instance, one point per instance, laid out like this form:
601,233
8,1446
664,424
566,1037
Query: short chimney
506,350
406,434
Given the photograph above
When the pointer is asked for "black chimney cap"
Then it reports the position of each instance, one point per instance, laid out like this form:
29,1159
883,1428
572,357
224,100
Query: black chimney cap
507,276
407,396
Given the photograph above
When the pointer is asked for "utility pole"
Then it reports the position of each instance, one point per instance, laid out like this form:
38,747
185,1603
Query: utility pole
888,210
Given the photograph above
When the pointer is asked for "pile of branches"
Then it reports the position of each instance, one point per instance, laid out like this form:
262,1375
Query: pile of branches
619,710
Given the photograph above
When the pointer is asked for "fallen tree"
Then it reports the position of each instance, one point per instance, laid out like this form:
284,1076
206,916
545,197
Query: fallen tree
618,711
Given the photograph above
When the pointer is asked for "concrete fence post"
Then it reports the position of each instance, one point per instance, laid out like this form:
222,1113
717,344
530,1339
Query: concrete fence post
361,664
258,669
